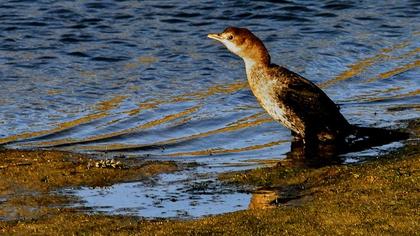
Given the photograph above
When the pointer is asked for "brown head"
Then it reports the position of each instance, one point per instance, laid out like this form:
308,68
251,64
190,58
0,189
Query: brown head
245,44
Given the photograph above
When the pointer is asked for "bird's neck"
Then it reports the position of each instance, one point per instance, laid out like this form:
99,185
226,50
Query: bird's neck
249,66
252,64
258,57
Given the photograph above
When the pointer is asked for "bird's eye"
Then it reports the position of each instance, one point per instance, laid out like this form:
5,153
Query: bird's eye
230,37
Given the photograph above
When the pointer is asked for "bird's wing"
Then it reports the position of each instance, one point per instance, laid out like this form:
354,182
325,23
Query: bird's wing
306,100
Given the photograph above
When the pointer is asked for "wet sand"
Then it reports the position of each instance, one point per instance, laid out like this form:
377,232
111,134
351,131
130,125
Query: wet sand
379,196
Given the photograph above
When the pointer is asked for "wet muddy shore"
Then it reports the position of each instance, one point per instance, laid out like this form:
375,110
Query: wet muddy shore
379,196
29,179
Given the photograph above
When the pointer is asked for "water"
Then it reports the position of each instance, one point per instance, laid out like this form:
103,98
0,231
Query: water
184,194
141,78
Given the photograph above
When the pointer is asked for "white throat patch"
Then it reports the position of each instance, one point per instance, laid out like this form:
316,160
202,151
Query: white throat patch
249,63
231,46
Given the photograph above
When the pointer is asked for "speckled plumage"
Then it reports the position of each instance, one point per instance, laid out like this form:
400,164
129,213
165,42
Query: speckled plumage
290,99
297,103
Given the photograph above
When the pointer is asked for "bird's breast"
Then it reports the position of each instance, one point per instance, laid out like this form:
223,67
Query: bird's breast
266,91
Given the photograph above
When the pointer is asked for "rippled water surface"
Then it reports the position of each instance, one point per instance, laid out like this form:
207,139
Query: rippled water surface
141,78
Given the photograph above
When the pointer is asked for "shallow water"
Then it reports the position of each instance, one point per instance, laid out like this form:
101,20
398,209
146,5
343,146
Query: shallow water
142,79
186,194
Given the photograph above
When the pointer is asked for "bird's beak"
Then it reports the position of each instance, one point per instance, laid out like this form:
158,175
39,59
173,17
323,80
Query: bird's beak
215,36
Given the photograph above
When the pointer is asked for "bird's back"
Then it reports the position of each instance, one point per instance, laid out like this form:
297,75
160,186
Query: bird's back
306,109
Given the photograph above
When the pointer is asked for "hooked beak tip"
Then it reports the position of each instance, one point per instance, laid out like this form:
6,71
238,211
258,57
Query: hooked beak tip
214,36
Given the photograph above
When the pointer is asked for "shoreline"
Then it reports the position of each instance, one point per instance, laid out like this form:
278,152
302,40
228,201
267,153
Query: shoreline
374,197
28,178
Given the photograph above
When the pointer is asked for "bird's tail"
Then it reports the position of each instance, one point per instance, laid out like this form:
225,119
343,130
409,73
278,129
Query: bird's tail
364,137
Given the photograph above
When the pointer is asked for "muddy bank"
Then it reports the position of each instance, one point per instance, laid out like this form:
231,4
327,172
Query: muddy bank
379,196
376,197
28,178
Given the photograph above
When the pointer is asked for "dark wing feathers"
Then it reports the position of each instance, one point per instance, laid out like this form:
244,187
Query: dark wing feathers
308,101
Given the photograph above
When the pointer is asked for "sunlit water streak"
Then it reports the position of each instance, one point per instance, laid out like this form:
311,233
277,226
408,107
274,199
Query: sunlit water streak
141,79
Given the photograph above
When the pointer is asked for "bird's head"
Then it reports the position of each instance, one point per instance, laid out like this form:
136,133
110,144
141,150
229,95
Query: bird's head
243,43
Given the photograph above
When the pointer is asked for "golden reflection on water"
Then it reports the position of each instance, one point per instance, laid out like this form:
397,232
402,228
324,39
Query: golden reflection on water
229,128
371,94
87,74
403,95
58,128
142,60
401,107
247,118
216,151
199,95
353,70
383,98
362,65
110,104
396,71
212,90
103,107
122,132
54,91
218,89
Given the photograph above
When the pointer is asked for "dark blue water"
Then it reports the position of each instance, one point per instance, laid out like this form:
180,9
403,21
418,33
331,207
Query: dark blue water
141,78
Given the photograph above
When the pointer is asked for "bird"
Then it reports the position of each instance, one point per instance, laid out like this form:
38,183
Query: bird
289,98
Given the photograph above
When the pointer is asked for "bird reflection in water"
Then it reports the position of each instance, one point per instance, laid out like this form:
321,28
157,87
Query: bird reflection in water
316,156
323,154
